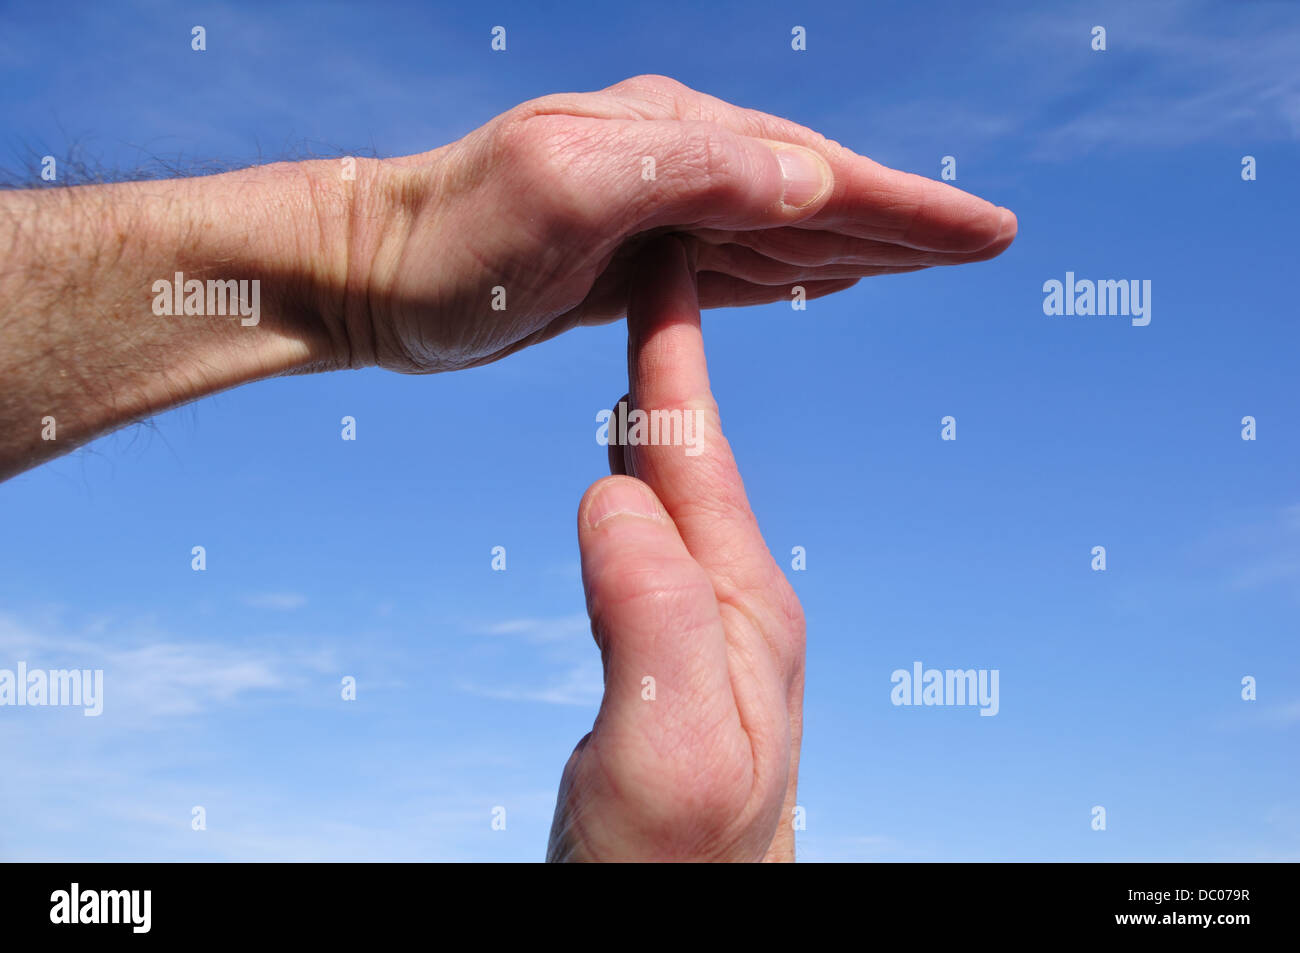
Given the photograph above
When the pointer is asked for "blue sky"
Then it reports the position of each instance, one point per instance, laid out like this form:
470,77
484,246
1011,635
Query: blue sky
372,558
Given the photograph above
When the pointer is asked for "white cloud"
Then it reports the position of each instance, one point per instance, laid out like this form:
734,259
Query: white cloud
1285,714
1174,74
1268,553
191,722
583,684
558,629
562,641
283,601
147,676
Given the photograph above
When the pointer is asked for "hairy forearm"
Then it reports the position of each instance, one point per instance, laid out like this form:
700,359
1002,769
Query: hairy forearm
90,273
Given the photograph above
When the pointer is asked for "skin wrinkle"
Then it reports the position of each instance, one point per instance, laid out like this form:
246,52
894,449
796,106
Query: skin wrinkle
758,268
690,735
663,597
690,812
319,217
716,287
737,679
749,724
742,602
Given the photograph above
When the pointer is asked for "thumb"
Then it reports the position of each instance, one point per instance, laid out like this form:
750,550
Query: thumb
697,173
654,616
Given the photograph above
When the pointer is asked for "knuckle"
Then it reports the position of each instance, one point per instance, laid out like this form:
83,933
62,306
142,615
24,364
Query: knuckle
794,641
664,594
707,161
695,161
653,83
553,163
523,140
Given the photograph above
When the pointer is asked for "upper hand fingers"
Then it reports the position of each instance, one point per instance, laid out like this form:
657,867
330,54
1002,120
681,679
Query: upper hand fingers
878,202
797,245
745,263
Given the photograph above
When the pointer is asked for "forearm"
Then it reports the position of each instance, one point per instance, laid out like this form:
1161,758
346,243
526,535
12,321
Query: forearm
92,332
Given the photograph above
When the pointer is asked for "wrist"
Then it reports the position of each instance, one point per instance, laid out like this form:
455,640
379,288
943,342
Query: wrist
388,216
241,269
327,239
285,226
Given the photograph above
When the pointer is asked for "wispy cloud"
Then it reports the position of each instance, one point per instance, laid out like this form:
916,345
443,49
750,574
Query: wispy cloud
563,642
148,675
559,629
1204,78
1287,713
282,601
1173,74
1258,550
186,723
583,684
1269,554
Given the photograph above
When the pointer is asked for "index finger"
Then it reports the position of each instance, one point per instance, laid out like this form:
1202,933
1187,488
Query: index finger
680,450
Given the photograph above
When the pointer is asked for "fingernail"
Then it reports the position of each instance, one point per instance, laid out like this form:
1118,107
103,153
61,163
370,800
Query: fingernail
1009,223
622,496
806,176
